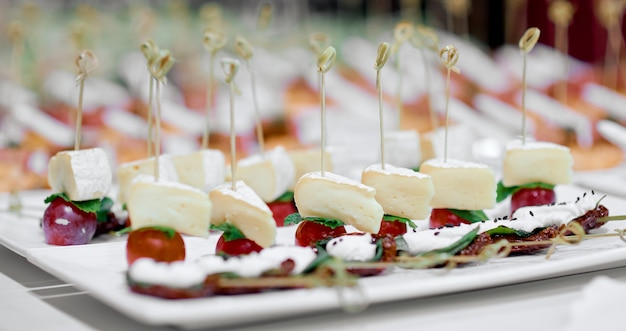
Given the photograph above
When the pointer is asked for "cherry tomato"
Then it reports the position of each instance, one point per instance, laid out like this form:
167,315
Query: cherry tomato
241,246
282,209
532,197
309,233
393,228
444,217
156,244
64,224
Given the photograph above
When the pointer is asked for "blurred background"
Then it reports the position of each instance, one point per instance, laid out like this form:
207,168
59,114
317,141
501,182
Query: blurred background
574,76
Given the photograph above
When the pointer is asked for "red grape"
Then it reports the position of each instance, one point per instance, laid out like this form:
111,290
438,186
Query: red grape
444,217
64,224
309,233
532,197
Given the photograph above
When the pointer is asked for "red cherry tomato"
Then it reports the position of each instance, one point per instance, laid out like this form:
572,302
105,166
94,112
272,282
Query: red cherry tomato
282,209
532,197
64,224
241,246
444,217
156,244
308,233
393,228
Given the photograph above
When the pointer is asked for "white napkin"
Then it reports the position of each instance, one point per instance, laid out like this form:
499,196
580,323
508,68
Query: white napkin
600,308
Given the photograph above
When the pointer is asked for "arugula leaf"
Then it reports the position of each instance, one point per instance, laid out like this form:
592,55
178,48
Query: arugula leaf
296,218
98,206
456,246
392,218
504,191
286,197
416,169
230,232
503,230
321,258
102,215
472,216
379,250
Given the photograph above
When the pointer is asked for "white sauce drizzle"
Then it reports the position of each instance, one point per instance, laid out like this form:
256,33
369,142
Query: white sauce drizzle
352,247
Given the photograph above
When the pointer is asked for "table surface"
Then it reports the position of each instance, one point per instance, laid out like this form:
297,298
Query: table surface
26,291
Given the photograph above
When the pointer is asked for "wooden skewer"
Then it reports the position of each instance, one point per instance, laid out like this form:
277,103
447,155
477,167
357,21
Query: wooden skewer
86,62
246,51
526,44
324,63
230,68
150,51
159,69
449,56
560,13
401,33
425,38
213,42
381,60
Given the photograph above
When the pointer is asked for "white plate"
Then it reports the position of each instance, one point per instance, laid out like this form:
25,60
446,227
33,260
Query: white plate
100,269
22,232
610,181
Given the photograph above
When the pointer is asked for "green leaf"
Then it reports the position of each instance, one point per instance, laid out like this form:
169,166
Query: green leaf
321,258
391,218
379,250
286,197
230,232
456,246
416,169
504,191
102,215
296,218
503,230
401,244
471,216
88,206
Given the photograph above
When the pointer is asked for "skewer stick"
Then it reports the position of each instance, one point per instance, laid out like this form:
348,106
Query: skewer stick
609,14
425,38
213,42
150,51
526,44
230,68
381,59
15,35
560,13
401,33
159,69
449,56
318,42
324,63
86,62
264,19
246,51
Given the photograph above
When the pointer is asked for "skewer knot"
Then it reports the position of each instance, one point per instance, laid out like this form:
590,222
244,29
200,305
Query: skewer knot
529,39
425,38
244,48
213,41
382,56
326,60
230,68
162,65
87,62
318,42
449,56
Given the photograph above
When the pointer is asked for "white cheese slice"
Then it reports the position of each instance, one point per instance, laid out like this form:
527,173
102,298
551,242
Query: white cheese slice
402,192
82,175
338,197
309,160
244,209
537,162
126,172
203,169
269,175
402,148
171,204
461,184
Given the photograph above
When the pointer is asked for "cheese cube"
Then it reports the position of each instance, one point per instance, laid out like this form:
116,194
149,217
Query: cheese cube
340,198
401,192
270,175
309,160
537,162
203,169
171,204
126,172
461,184
403,148
82,175
244,209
